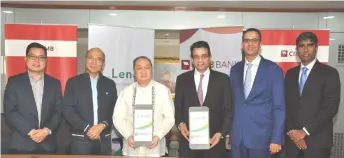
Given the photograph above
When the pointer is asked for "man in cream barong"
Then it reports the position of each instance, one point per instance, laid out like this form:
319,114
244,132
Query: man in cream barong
144,91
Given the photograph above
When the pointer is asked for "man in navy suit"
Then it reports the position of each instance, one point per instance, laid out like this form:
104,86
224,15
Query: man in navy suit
259,107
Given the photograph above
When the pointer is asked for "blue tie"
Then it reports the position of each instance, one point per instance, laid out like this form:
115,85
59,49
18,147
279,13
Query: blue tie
247,83
303,79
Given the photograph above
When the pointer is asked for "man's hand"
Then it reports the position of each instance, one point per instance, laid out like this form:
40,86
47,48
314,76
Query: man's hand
275,148
154,142
184,130
94,131
215,140
131,142
296,135
39,135
301,144
228,146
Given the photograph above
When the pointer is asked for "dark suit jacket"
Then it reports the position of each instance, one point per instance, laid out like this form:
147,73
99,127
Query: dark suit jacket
218,100
317,106
21,112
259,119
78,104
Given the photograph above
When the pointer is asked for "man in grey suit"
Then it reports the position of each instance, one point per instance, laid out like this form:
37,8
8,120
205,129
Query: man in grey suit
32,103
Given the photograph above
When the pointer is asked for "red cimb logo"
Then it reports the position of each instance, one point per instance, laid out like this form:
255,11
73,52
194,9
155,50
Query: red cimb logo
284,53
185,64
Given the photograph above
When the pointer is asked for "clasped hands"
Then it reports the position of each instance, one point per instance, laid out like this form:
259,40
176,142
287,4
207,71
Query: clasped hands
95,131
213,141
154,142
298,137
38,135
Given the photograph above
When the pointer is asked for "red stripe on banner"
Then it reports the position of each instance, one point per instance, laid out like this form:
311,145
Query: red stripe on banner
288,37
40,32
61,68
288,65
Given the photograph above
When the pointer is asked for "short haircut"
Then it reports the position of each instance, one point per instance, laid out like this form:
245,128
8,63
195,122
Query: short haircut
36,45
252,30
199,44
96,49
307,36
142,57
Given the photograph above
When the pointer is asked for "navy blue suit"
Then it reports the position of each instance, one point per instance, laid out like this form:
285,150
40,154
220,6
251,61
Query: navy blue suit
259,119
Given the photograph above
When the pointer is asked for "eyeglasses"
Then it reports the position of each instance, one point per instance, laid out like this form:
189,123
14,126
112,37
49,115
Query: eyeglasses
41,58
91,58
254,40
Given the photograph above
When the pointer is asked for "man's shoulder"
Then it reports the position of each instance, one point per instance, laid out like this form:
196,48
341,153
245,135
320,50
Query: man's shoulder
108,80
185,74
218,74
17,77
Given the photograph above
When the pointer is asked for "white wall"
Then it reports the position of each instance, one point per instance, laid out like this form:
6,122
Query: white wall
181,20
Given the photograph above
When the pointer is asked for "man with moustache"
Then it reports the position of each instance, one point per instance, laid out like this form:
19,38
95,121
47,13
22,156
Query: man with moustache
259,107
32,103
203,87
149,92
312,100
89,101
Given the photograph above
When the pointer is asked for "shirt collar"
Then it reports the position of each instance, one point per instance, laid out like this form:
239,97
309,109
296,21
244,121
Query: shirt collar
31,76
255,61
206,72
309,66
96,78
150,84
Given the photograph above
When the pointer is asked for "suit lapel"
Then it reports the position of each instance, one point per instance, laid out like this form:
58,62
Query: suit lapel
258,79
210,87
310,79
193,86
31,98
88,93
45,100
241,77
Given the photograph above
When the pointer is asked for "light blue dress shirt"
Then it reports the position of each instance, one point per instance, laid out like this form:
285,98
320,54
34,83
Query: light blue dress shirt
94,82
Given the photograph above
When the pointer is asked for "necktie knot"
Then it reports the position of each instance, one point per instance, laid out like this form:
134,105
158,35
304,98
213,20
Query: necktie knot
202,75
249,65
304,70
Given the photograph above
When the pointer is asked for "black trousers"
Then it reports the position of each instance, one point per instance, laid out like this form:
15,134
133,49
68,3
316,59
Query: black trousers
37,151
86,146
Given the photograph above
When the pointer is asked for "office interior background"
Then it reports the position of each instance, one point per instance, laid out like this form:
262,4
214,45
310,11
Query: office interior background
167,18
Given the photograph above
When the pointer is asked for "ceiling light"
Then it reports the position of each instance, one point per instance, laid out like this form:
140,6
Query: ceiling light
113,14
332,39
328,17
166,34
7,12
221,16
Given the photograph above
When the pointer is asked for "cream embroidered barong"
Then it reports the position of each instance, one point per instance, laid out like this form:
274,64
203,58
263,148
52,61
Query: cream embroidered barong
163,116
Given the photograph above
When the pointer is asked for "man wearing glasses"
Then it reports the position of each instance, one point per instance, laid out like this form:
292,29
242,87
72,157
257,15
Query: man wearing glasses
259,107
32,104
89,101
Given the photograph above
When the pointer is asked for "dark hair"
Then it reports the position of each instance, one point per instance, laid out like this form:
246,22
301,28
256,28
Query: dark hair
200,44
97,49
307,36
252,30
142,57
35,45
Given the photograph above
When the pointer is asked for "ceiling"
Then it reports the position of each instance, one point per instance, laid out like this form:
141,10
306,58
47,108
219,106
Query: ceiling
192,3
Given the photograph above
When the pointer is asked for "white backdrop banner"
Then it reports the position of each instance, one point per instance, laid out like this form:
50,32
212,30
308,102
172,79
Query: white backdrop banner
121,46
224,42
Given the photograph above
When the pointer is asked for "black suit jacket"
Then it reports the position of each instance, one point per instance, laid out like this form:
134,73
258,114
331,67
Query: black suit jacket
21,112
317,106
218,100
78,104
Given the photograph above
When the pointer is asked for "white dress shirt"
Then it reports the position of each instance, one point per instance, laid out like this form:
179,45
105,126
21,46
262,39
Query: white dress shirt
254,69
163,116
309,67
205,81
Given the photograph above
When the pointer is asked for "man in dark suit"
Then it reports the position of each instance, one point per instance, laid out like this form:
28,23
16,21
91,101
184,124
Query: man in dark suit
89,103
32,104
203,87
259,105
312,100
